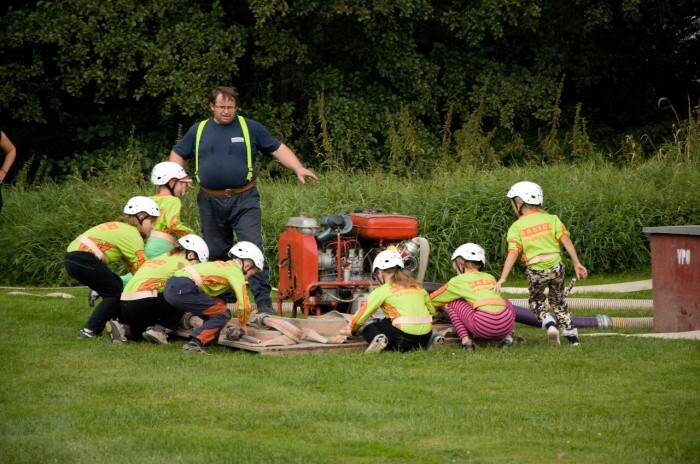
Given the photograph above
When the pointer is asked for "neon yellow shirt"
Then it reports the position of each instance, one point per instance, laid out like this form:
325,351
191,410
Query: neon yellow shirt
219,276
154,273
395,301
537,234
169,219
472,286
118,241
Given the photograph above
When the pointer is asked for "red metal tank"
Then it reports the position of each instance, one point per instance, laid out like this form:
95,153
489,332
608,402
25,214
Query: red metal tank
675,274
382,226
297,262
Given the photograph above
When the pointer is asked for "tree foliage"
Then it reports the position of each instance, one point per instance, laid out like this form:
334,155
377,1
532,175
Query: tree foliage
340,80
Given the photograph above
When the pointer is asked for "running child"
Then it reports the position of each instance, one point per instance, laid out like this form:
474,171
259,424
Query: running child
475,308
538,237
88,255
406,305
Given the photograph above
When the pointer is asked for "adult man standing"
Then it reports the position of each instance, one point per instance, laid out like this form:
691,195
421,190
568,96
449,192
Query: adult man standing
224,148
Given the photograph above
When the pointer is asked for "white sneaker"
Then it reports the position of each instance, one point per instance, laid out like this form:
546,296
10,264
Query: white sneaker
92,298
378,344
153,336
553,335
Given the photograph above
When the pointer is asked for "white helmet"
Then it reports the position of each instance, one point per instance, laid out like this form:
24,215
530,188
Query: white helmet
387,259
247,250
195,243
529,192
163,172
470,252
142,205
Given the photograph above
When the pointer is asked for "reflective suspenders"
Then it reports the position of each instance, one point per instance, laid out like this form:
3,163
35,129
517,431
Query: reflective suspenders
246,138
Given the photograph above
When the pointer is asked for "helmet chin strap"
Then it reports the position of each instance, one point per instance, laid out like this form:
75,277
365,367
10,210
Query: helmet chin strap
172,189
379,278
243,268
518,208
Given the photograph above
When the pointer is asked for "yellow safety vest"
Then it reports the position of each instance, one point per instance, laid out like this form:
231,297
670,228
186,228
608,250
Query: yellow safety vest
246,138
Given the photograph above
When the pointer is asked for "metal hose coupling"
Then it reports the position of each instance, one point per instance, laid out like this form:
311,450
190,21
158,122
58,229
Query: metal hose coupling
604,322
233,334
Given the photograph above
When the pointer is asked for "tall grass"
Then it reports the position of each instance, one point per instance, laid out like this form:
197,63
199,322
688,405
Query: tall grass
604,207
614,400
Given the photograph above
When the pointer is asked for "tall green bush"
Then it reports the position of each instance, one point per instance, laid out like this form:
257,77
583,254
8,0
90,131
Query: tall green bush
603,206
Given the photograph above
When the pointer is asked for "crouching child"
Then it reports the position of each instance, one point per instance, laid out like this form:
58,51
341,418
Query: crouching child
196,289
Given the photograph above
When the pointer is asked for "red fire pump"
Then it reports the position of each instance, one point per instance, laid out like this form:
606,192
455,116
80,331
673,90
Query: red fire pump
327,266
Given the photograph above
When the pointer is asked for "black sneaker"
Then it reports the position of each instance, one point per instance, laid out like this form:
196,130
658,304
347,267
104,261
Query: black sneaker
436,340
573,340
87,333
468,345
507,342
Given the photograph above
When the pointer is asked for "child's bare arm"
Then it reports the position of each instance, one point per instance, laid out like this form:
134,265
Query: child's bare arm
581,272
507,267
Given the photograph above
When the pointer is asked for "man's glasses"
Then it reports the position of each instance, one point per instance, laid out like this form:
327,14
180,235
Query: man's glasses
224,108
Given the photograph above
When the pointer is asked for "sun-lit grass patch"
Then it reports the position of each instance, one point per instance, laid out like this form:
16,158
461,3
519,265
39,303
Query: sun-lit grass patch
613,399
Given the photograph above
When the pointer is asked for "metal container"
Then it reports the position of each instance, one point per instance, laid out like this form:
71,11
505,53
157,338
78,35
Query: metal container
305,225
675,274
380,227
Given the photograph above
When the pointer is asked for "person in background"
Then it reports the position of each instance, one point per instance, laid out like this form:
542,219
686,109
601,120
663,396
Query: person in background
476,310
224,149
10,153
144,312
538,236
88,255
406,305
196,289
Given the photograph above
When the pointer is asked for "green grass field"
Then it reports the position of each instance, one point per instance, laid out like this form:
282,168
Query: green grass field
612,400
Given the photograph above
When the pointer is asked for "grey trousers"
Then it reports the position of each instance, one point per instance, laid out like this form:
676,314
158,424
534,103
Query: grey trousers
222,217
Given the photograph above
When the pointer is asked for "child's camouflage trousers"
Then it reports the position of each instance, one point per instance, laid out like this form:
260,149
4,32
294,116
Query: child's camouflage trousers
552,278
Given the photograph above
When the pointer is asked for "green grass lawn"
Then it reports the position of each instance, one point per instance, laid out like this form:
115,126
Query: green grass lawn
612,400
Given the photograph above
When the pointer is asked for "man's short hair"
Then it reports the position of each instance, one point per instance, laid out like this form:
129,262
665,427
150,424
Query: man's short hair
226,92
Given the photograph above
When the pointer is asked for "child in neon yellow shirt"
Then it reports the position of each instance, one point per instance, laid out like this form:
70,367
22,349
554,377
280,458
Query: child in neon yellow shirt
88,255
172,182
144,312
197,289
476,310
538,237
406,305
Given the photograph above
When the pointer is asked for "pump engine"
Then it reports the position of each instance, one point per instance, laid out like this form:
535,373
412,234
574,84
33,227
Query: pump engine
327,266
